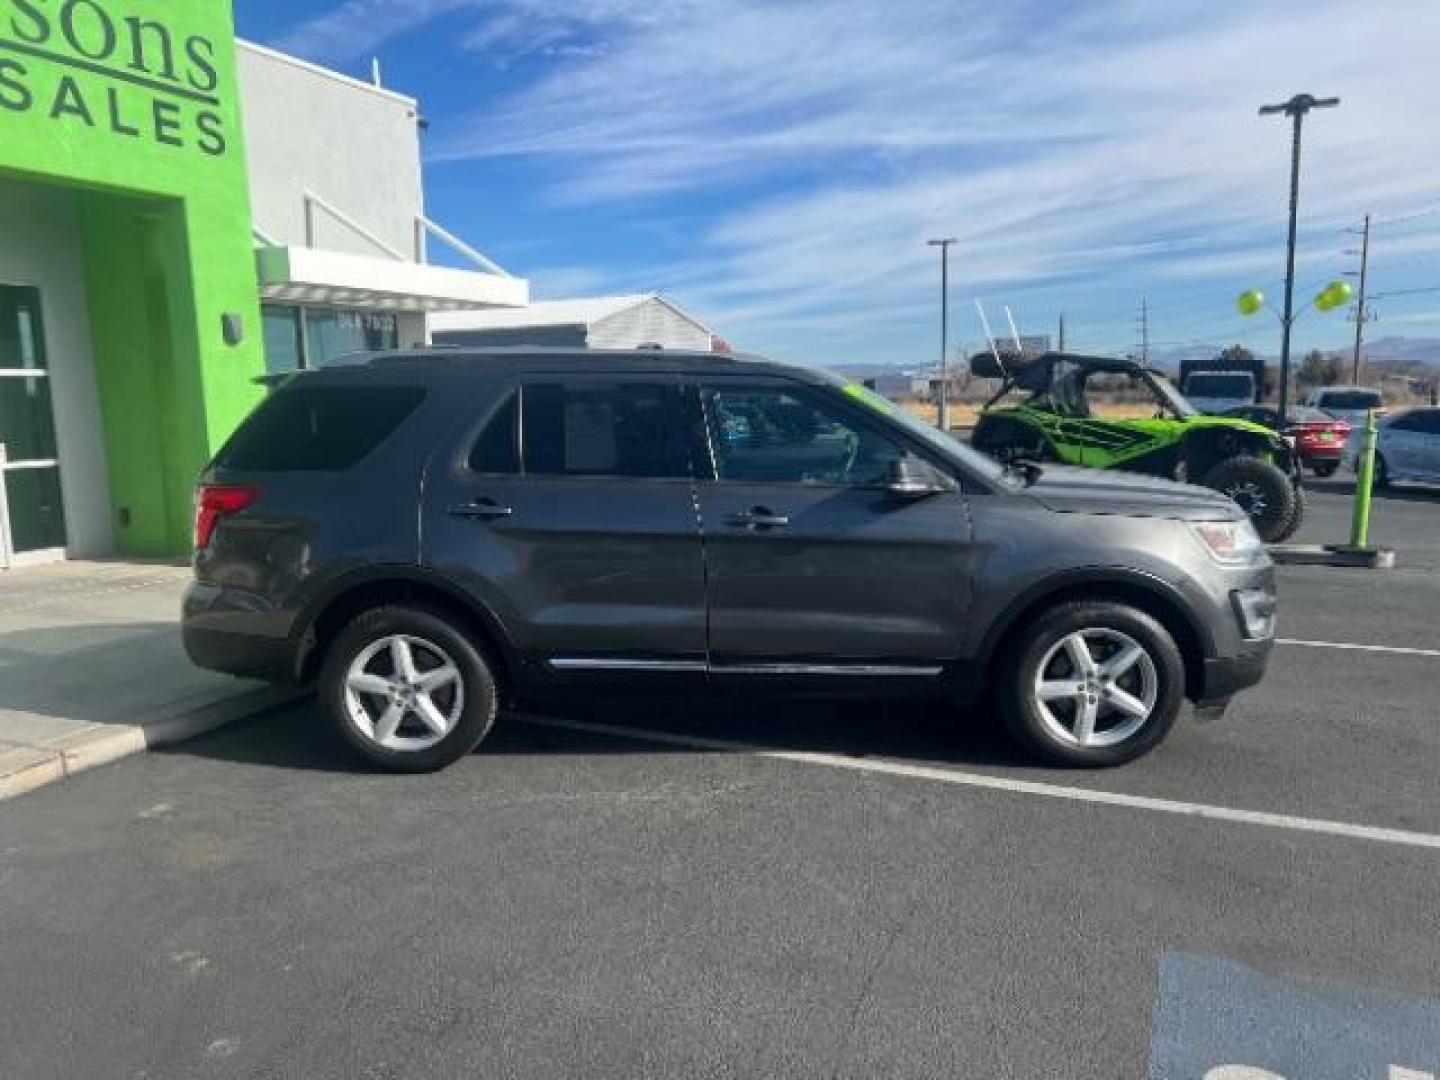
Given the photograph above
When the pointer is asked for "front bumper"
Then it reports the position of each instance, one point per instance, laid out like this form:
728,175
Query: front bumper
1222,677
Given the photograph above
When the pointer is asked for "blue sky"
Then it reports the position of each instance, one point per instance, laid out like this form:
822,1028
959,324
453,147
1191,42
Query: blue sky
776,165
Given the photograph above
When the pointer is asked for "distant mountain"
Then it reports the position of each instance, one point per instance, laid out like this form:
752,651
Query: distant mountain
1416,349
1421,350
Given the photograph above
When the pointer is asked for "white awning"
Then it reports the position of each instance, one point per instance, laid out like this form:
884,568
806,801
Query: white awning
300,275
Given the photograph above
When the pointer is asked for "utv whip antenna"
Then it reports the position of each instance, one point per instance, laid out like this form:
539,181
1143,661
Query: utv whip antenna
1015,334
990,338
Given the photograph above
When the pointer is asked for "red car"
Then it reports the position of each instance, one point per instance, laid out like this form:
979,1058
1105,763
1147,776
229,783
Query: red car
1318,437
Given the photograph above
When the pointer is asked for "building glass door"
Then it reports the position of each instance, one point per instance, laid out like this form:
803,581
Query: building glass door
32,519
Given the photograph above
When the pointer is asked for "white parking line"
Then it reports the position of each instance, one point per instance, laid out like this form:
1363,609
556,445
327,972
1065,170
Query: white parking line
1322,826
1352,647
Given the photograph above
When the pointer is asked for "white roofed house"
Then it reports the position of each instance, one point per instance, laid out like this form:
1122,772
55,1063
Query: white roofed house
600,322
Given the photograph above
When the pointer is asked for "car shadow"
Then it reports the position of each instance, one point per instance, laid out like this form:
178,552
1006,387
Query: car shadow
298,737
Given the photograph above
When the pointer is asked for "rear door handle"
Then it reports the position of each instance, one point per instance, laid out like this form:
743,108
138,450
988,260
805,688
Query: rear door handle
481,510
758,517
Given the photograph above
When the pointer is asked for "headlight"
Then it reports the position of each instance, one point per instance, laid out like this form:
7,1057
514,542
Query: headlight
1234,543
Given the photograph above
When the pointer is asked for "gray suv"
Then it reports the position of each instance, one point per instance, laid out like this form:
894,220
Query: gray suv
430,535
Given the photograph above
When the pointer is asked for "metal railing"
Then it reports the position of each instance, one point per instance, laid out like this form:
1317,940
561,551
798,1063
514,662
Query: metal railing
424,229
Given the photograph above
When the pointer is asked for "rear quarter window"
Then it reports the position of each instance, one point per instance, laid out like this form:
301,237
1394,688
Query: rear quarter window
318,428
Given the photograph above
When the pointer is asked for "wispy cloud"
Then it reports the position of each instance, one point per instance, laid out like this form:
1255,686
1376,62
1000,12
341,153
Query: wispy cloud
1073,146
358,27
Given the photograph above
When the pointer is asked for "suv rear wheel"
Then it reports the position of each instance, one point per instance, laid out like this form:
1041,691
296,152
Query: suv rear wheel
408,690
1093,683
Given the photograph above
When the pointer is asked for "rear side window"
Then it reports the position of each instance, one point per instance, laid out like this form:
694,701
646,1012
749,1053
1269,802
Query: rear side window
625,429
318,428
1428,422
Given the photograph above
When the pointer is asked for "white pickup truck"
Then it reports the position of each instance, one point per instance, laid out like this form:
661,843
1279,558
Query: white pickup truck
1215,392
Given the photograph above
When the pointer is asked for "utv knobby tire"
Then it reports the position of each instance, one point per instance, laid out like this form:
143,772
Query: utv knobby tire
1262,491
1296,519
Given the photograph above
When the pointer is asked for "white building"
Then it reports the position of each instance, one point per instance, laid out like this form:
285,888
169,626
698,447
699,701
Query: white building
338,204
602,322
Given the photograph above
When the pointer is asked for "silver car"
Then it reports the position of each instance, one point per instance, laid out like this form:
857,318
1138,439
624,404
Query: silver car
1407,448
1348,403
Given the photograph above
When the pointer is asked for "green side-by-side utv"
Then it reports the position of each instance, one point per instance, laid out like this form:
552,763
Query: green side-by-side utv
1043,413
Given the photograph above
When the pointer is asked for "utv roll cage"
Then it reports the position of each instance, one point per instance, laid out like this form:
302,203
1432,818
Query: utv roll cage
1036,375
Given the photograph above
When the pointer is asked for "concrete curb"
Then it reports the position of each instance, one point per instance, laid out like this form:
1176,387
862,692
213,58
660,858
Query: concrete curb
25,768
1374,558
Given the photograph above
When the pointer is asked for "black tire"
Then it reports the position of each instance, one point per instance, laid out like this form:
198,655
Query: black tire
430,636
1325,469
1302,501
1019,673
1262,491
1382,472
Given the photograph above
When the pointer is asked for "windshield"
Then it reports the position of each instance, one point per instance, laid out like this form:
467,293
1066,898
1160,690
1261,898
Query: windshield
930,436
1173,399
1357,400
1212,385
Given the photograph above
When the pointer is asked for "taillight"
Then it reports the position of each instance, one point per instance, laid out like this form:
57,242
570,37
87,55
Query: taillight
214,501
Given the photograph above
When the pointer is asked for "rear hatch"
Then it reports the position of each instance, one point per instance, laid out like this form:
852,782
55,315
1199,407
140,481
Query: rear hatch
310,477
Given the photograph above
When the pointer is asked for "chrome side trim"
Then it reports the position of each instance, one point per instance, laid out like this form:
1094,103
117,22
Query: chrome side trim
586,663
826,669
598,663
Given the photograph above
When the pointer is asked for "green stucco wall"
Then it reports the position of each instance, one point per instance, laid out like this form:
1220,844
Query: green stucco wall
135,103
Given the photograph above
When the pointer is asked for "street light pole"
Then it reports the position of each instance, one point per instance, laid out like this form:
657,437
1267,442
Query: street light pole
944,246
1295,108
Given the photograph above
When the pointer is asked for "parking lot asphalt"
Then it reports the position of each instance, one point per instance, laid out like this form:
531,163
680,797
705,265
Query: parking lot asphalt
746,888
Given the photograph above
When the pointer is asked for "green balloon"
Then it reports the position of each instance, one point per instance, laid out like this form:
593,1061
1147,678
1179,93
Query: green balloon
1332,296
1250,301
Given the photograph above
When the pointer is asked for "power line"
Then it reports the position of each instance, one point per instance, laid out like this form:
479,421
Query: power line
1385,224
1406,292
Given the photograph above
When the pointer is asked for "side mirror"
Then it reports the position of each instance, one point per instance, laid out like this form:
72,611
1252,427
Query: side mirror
910,478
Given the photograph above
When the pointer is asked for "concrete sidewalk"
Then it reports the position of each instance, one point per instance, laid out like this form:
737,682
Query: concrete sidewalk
91,670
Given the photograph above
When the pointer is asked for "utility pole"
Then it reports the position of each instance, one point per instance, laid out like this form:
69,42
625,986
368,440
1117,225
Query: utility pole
1061,347
1145,330
1142,327
1361,315
944,245
1296,108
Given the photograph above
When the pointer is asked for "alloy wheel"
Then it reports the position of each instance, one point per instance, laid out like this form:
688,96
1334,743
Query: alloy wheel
1096,688
404,693
1248,497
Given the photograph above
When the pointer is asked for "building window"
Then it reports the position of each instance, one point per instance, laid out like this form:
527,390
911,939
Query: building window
310,337
331,333
282,339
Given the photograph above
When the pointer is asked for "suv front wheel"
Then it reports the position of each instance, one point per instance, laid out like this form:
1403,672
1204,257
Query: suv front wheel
408,690
1093,683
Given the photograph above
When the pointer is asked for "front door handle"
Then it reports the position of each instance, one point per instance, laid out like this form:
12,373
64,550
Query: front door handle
757,517
481,510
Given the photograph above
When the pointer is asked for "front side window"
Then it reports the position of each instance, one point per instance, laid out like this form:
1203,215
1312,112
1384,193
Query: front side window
773,435
618,429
